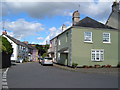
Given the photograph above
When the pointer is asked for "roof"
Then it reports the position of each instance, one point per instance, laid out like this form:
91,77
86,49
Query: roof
89,22
61,33
16,41
29,46
32,47
20,43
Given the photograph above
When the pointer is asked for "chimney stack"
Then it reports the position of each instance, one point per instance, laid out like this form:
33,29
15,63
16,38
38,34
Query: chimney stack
26,42
64,27
115,6
75,17
4,32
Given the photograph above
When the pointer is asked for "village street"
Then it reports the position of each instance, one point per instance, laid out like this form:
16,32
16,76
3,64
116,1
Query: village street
34,75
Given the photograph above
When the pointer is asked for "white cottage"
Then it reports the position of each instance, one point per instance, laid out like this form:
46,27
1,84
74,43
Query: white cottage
20,50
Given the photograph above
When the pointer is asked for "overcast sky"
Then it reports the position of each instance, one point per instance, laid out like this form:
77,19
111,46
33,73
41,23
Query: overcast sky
38,21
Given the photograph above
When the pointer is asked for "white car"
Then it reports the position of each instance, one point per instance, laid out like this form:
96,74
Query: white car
47,61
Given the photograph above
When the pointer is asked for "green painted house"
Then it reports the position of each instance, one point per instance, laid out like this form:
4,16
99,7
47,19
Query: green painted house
86,42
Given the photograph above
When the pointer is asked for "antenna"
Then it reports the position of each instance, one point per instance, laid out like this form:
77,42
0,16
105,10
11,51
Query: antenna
3,27
79,7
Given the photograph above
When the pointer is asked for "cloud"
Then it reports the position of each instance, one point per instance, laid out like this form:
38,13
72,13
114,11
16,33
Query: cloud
40,38
22,28
52,29
40,10
68,23
53,32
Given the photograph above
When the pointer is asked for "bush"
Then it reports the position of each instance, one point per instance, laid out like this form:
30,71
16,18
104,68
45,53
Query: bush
5,46
74,65
44,55
85,66
97,66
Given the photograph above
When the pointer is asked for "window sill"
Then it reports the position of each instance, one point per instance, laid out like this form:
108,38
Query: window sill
98,61
107,42
88,42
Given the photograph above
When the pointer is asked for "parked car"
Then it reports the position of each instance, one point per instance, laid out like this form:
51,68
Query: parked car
40,60
47,61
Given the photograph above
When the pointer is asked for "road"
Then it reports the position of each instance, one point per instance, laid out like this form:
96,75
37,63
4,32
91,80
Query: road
33,75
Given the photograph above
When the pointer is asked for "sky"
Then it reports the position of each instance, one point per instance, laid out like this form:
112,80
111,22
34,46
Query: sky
38,21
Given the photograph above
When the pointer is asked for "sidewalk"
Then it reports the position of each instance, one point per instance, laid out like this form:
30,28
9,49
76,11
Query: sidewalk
108,71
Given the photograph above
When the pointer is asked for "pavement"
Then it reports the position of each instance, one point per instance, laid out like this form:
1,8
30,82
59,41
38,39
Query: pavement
107,71
34,75
0,79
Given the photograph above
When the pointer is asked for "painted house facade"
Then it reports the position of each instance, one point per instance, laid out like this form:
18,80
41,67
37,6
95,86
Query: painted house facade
86,42
34,54
20,50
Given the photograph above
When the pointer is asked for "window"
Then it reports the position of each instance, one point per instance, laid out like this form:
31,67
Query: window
106,37
67,37
58,56
97,55
88,36
59,42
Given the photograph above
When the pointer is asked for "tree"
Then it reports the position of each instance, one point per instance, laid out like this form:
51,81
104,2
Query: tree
42,49
5,45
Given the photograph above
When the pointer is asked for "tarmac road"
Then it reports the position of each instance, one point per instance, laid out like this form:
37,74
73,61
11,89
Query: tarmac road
34,75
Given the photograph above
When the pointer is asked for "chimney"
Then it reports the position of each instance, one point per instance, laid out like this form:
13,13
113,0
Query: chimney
115,6
75,17
4,32
26,42
64,27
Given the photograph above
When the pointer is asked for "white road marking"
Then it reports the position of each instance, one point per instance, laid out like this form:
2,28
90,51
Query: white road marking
6,71
4,83
4,86
4,79
4,75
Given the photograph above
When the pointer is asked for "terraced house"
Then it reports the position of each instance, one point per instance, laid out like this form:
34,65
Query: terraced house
21,50
87,41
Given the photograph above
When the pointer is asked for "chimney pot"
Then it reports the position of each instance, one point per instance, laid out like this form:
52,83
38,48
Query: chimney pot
4,32
64,27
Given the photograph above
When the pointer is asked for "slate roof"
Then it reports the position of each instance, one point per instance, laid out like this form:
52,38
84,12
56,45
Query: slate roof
89,22
16,41
29,45
20,43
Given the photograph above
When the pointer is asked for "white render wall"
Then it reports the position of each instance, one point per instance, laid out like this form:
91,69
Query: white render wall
15,49
15,52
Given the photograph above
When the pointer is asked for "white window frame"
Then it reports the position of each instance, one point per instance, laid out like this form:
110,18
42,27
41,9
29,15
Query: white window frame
99,52
87,37
59,42
109,40
67,37
58,56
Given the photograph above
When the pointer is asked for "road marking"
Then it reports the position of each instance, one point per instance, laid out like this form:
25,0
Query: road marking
4,75
5,87
6,71
4,83
4,79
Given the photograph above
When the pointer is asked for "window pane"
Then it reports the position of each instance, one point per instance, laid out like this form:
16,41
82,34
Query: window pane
87,36
97,55
106,37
